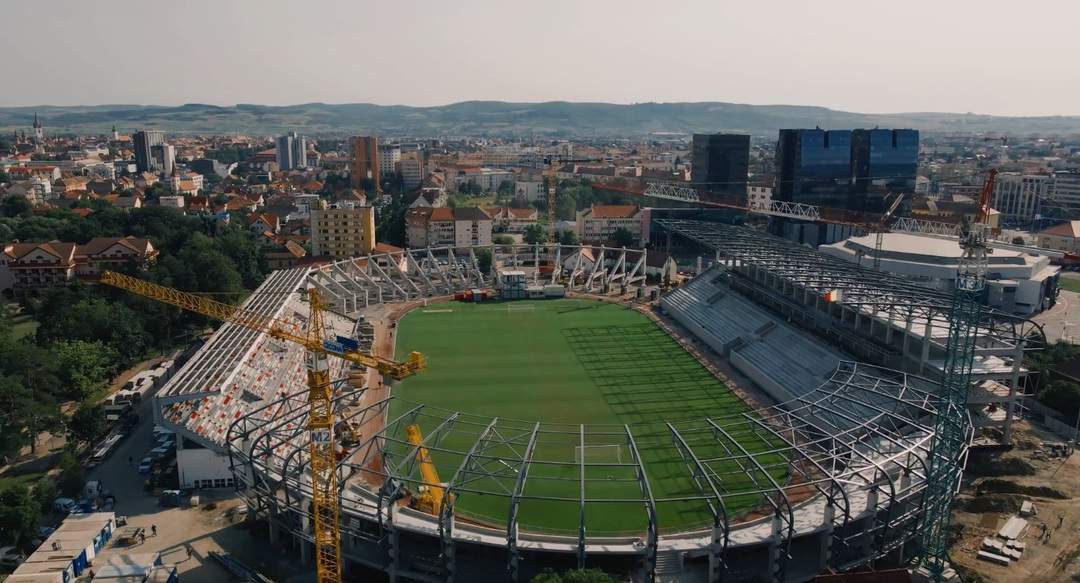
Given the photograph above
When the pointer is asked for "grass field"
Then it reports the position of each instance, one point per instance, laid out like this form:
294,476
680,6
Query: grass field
1069,283
575,362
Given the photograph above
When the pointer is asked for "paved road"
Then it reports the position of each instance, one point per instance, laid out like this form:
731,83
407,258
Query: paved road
180,530
1063,320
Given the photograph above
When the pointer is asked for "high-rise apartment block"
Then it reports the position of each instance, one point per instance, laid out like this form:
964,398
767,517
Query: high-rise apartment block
291,152
389,156
143,141
848,169
163,158
1018,197
364,160
340,232
721,162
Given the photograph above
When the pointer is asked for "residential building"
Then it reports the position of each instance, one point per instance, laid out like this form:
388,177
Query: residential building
487,179
389,156
45,171
175,201
1019,196
514,220
291,152
599,222
427,197
721,162
846,169
264,223
1065,192
340,233
443,226
186,183
472,226
54,264
412,170
163,158
284,256
530,189
1064,237
759,195
143,141
364,160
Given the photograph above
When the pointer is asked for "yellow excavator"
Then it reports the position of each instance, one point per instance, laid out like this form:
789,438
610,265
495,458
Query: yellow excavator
429,496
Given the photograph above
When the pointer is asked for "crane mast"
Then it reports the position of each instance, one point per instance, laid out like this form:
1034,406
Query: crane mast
320,424
951,423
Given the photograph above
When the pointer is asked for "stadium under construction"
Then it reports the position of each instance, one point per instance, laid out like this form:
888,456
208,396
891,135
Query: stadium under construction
823,471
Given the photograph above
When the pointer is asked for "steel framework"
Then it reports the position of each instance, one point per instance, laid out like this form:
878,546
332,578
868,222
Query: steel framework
864,432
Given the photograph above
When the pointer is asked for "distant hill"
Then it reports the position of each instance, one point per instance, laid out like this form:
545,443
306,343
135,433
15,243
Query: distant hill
498,118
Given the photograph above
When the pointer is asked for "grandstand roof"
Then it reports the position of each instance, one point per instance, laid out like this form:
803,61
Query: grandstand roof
239,370
884,296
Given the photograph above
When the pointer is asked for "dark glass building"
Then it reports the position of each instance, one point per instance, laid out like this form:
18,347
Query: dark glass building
144,141
849,169
721,162
883,162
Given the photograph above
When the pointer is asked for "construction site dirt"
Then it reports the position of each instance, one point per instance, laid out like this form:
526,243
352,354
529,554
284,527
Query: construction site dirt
996,484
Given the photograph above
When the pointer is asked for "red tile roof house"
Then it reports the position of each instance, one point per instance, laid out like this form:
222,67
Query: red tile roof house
56,263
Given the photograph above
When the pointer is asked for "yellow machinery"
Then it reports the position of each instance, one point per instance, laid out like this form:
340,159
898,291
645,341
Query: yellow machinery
324,503
430,497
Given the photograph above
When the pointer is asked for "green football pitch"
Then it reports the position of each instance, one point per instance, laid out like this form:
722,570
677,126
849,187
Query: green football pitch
568,362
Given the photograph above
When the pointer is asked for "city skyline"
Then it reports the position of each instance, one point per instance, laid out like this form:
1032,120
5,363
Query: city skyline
943,57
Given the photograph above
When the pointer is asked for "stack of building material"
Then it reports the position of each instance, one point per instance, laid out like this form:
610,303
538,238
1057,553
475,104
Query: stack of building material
1007,547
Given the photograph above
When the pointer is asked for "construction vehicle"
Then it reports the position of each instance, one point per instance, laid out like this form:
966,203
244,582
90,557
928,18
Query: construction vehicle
951,424
429,496
320,425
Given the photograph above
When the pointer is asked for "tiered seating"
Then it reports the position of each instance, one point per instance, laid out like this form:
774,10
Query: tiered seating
783,361
697,304
239,371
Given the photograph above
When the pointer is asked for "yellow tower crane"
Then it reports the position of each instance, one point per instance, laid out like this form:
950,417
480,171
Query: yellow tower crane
324,498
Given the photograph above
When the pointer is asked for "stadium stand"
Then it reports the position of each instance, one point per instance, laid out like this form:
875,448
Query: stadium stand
238,370
786,363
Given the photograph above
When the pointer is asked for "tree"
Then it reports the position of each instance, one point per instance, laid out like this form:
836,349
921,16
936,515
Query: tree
71,474
535,233
483,260
83,366
87,423
503,240
14,205
158,190
1063,396
622,237
568,237
19,513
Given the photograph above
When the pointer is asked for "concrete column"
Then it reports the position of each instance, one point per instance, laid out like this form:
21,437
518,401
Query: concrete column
907,337
775,549
1014,385
827,535
926,344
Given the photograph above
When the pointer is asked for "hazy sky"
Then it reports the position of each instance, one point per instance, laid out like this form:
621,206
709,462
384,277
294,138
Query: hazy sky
986,56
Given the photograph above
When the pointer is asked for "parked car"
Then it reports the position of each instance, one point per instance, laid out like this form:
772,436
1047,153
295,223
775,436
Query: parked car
10,557
146,465
63,505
